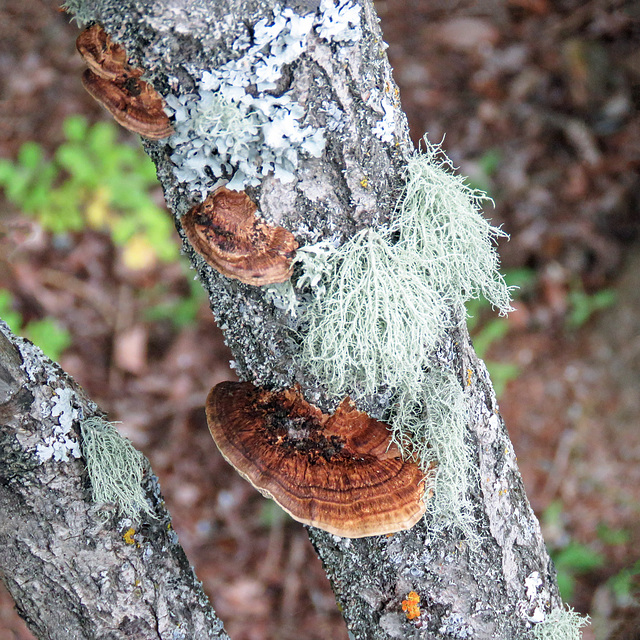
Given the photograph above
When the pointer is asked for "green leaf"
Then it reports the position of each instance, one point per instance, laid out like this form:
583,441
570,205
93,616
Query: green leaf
582,305
49,336
612,537
30,155
578,558
501,374
75,128
566,584
11,317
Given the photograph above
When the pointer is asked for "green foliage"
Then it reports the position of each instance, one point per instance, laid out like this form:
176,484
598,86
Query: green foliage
114,466
46,333
612,537
571,558
625,584
93,181
485,329
583,305
181,312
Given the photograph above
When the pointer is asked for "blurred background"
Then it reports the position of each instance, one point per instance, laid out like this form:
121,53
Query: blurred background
539,103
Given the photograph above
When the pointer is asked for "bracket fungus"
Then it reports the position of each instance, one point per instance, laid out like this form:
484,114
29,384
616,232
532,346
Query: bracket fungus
103,56
225,231
115,84
339,472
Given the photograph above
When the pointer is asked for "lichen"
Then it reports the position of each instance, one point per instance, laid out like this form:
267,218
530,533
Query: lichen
80,10
390,296
309,283
389,292
339,21
59,445
560,624
114,466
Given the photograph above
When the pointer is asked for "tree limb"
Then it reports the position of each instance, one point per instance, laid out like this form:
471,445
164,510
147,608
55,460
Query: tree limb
75,571
496,588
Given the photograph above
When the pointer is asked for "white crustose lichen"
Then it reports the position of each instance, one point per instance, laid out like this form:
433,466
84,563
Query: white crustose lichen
234,127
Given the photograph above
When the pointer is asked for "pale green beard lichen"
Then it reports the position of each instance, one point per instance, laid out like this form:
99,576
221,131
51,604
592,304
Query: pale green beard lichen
561,624
390,292
391,295
114,466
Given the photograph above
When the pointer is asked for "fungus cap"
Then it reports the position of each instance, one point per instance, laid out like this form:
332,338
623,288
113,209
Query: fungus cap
226,232
104,57
115,84
133,103
339,472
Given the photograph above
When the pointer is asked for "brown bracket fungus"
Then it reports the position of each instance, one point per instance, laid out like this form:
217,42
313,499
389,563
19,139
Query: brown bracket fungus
115,84
339,472
132,102
225,231
104,57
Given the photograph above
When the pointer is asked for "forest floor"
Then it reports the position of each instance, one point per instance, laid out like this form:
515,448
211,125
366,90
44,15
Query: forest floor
539,103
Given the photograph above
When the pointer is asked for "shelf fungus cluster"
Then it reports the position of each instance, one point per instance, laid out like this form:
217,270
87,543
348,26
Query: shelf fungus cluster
118,86
339,472
226,232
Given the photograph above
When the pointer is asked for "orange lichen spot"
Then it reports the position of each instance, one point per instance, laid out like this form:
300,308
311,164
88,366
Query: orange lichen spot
128,536
226,232
115,84
411,606
338,472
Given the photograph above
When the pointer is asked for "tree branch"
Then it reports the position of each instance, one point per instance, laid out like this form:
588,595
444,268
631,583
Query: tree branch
74,570
495,587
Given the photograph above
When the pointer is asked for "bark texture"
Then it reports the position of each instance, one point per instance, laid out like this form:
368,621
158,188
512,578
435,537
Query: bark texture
75,570
491,590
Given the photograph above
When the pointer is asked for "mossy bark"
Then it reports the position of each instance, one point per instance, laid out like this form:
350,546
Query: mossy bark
491,590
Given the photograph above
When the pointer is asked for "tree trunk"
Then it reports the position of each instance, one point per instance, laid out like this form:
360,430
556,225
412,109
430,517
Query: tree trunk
495,586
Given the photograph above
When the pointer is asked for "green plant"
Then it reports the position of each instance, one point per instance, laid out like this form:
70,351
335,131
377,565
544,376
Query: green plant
583,305
180,311
570,557
625,584
485,329
95,182
46,333
573,560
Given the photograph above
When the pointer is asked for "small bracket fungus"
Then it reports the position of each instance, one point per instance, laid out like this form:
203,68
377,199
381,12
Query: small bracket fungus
104,57
115,84
339,472
225,231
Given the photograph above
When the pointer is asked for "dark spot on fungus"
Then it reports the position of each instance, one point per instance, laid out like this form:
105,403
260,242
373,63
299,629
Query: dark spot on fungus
339,472
113,82
226,232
